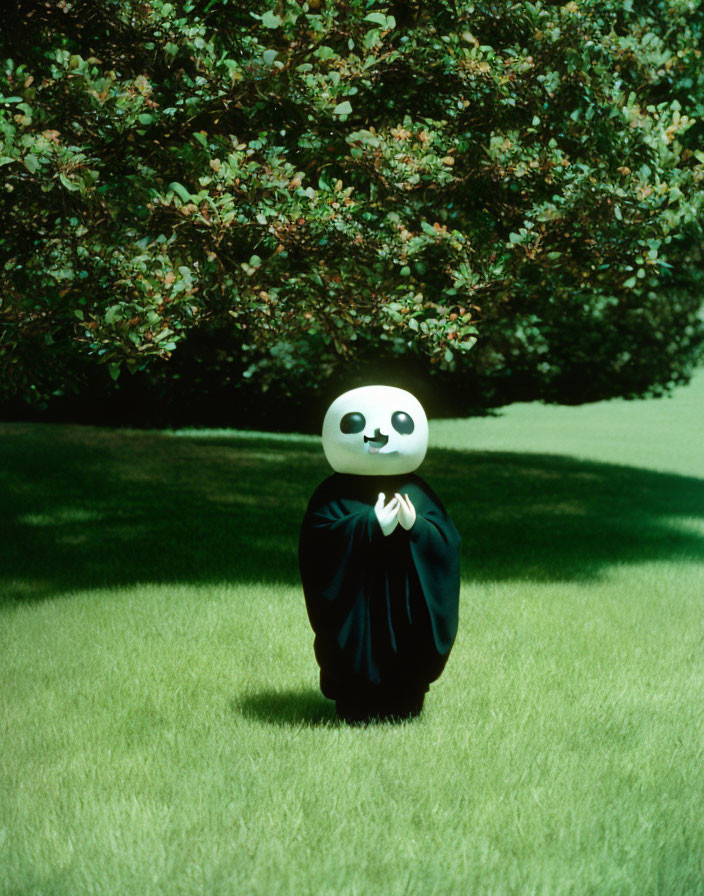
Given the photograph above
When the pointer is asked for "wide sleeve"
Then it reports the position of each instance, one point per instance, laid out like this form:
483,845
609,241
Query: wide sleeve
338,541
435,549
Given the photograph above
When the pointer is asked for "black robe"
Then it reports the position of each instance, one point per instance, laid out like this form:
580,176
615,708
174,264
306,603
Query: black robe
383,608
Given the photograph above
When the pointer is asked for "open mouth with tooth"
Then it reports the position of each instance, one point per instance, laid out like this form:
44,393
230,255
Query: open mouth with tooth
376,442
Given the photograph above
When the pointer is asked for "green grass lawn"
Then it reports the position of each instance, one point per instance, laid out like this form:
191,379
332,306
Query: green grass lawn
162,731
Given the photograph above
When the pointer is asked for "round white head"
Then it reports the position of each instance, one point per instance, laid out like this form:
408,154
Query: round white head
375,431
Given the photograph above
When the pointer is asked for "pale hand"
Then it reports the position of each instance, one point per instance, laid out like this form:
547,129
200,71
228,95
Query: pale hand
386,514
406,511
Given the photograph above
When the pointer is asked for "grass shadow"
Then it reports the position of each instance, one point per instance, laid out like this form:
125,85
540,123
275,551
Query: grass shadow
287,708
83,508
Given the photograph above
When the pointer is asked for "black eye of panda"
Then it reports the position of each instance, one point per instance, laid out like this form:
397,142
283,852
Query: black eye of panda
402,423
352,423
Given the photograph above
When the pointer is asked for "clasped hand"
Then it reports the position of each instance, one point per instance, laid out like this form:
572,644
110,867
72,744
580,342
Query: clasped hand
398,510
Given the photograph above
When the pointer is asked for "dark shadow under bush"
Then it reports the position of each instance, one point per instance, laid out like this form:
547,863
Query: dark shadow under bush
85,508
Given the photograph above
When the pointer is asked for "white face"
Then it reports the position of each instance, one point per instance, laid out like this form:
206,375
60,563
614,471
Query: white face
375,431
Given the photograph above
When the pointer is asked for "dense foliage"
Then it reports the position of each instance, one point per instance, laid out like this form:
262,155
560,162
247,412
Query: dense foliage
506,192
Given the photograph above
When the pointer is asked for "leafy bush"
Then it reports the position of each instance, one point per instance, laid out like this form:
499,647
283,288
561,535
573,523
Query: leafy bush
507,193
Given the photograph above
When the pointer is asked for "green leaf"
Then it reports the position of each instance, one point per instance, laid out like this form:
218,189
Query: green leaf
145,118
271,20
67,183
269,56
201,138
112,314
371,39
114,370
324,53
378,18
180,191
31,163
343,108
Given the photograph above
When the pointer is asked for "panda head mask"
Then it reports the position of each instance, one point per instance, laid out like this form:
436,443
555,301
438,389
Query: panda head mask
375,431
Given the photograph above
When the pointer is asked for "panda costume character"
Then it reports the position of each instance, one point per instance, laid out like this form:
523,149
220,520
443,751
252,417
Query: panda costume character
379,560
